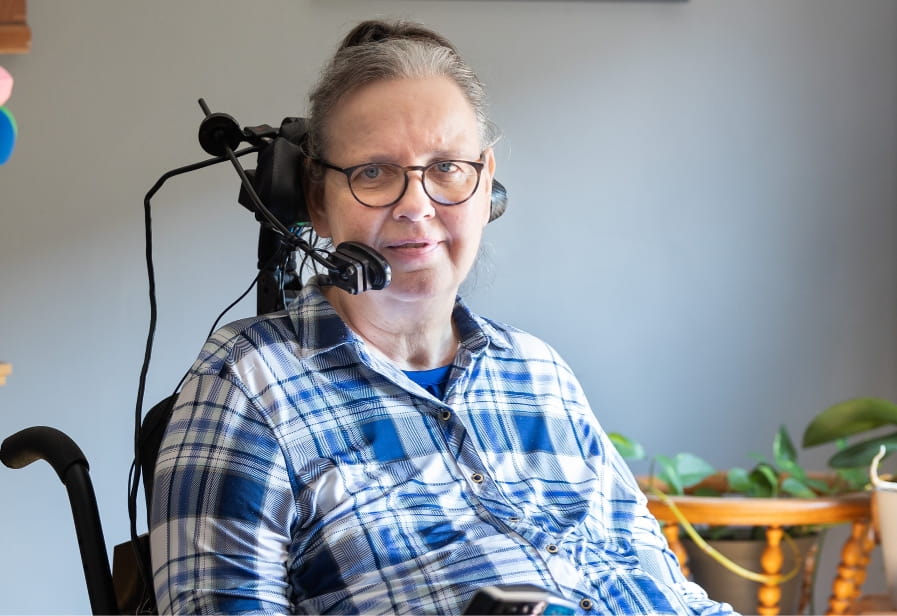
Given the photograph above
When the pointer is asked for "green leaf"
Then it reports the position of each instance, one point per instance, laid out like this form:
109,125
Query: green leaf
849,417
854,479
692,469
739,481
682,471
794,487
783,451
626,447
861,454
764,481
796,470
669,474
820,486
759,457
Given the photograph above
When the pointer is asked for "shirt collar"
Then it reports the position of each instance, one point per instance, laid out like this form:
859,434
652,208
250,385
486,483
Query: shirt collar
319,328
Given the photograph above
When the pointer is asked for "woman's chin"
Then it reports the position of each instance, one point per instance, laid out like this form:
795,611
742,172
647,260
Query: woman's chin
421,286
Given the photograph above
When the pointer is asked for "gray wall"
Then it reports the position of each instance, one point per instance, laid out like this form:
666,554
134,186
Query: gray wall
703,215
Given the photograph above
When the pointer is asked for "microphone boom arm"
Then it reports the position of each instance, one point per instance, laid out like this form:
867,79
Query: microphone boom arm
352,266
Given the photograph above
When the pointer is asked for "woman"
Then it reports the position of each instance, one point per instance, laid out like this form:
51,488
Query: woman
392,452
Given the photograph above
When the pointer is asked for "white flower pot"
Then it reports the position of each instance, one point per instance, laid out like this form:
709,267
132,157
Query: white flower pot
884,518
885,508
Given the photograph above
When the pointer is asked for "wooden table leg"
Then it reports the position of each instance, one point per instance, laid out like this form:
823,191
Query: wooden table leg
852,568
770,595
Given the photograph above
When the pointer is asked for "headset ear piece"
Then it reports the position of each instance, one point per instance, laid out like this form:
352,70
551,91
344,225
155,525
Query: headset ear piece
277,179
499,200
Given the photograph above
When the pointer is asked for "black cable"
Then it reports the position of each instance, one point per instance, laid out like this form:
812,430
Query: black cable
312,241
221,316
134,474
281,229
239,299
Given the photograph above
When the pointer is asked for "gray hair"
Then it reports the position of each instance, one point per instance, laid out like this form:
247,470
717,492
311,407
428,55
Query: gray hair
378,50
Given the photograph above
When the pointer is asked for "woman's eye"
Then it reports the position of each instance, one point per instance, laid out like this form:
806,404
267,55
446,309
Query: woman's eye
446,166
370,172
376,173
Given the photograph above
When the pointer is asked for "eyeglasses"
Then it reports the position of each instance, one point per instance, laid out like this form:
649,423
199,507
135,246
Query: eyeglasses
447,182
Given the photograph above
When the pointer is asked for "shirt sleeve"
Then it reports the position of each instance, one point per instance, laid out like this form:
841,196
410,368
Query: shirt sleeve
654,554
650,571
222,507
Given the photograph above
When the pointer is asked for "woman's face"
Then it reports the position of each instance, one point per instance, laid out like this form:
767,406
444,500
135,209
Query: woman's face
430,247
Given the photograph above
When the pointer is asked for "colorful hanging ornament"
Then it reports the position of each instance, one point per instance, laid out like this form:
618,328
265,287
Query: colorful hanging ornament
8,128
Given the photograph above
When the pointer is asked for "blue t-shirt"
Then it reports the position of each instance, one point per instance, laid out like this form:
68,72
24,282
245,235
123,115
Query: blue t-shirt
433,380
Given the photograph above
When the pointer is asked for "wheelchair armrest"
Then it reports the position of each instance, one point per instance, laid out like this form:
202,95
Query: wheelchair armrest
70,463
42,443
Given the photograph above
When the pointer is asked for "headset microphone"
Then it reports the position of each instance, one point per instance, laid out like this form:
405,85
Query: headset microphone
352,267
359,267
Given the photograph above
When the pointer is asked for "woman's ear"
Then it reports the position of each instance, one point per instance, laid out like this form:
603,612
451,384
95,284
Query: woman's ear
489,171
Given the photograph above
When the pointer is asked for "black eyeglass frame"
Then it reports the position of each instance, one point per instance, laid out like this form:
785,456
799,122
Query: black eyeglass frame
347,171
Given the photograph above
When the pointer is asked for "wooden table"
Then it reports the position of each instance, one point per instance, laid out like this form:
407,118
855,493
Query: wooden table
774,514
5,371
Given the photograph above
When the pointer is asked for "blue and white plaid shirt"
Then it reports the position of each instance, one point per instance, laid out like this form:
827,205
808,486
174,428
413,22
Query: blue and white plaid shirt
302,473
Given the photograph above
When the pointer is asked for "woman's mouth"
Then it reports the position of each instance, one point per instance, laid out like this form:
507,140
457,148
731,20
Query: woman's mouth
411,244
413,248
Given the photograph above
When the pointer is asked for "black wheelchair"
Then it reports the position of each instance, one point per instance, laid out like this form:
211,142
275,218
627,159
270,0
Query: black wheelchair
123,589
274,194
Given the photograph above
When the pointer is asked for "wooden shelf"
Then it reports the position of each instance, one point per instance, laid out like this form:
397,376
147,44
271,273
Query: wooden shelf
15,35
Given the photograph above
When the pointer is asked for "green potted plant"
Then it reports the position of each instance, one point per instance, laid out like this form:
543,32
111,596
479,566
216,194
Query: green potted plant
731,515
870,423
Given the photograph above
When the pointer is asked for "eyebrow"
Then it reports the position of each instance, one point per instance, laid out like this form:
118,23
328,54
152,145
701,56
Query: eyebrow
384,156
433,157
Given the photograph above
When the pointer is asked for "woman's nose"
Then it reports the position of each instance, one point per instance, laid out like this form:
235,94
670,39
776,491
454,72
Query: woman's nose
415,204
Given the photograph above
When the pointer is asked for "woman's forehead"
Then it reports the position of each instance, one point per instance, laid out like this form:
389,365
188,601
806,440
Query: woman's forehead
402,117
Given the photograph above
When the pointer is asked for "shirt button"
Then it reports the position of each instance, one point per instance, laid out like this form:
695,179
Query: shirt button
445,415
552,548
586,604
476,478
